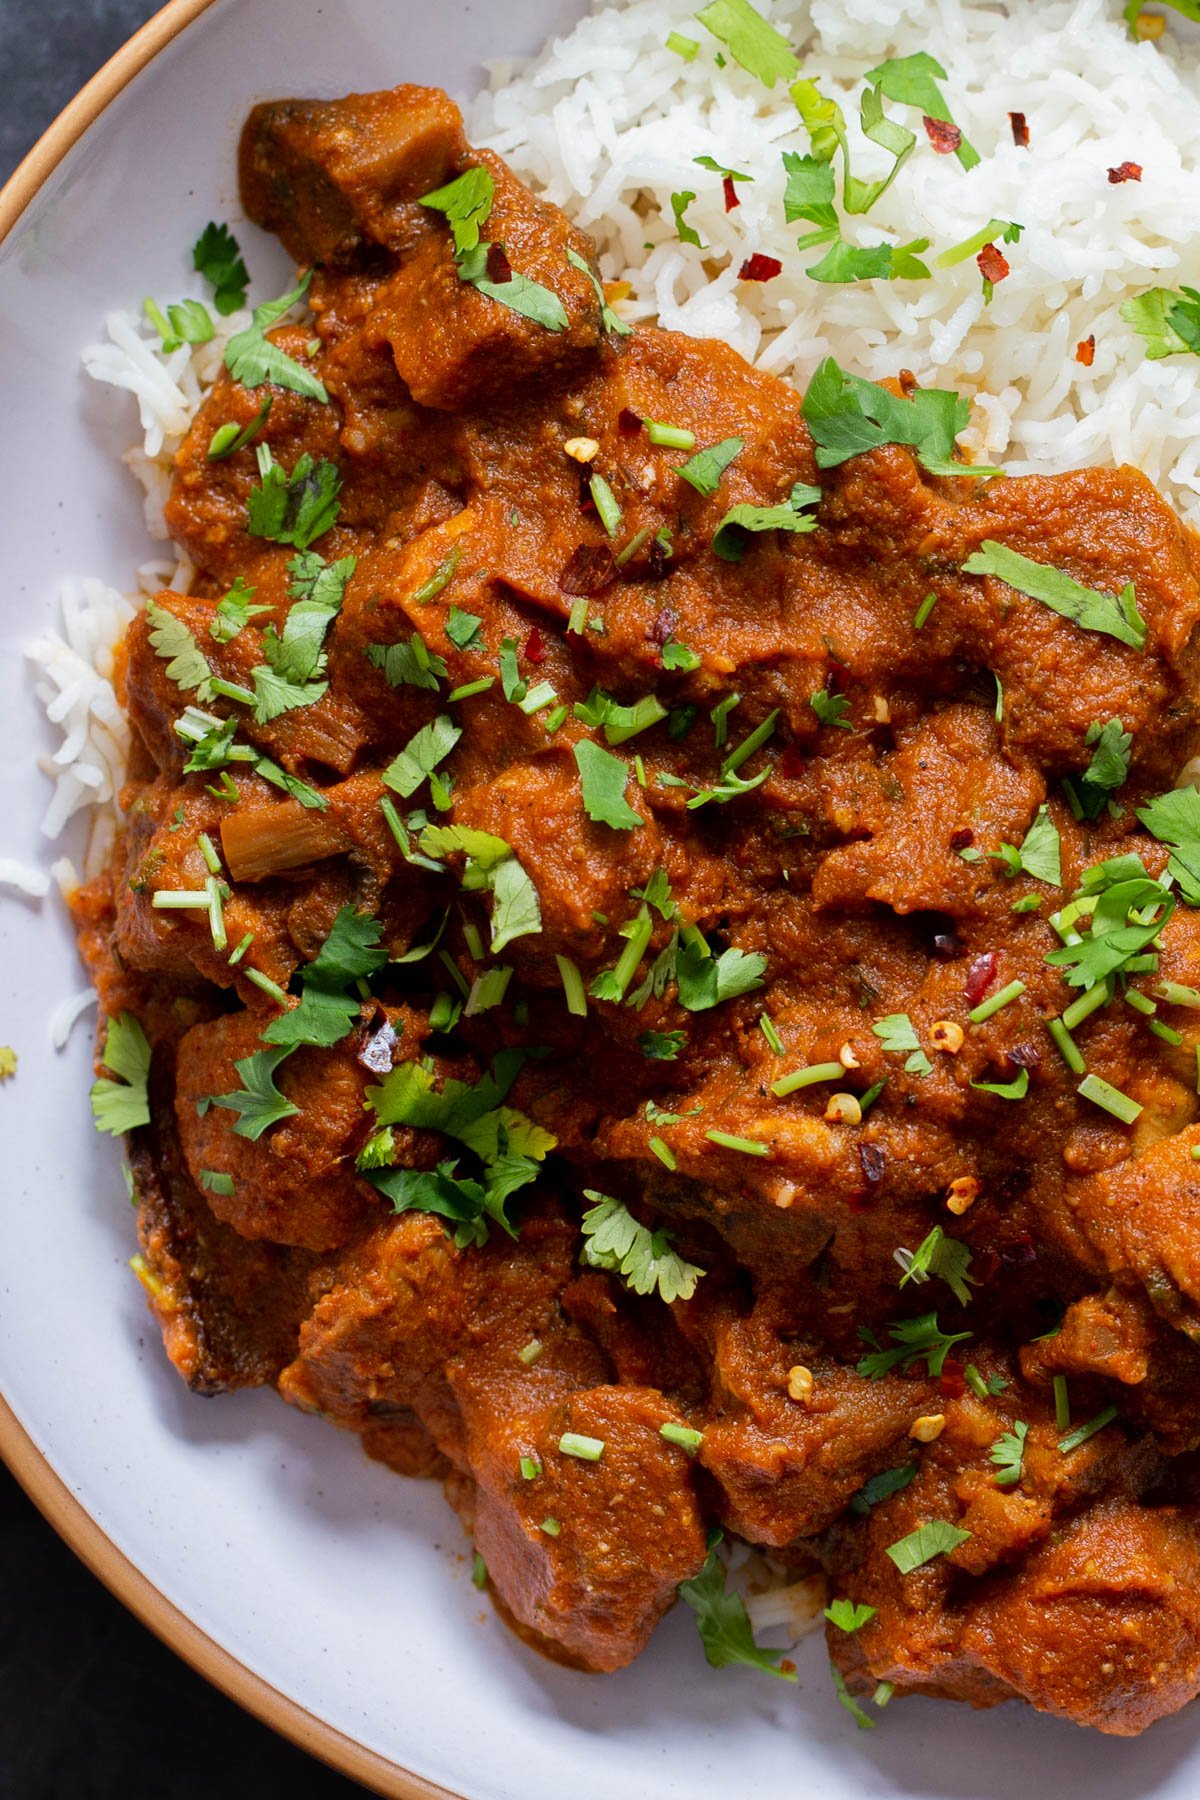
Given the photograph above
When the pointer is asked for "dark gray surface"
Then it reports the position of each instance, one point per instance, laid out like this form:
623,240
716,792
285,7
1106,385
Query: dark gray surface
92,1707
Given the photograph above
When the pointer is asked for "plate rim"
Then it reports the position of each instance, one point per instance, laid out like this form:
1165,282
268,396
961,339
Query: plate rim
62,1509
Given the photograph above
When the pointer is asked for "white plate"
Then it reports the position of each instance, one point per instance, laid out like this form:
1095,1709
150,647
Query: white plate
342,1587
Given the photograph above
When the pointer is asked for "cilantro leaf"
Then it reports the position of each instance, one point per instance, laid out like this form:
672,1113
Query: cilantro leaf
643,1258
296,657
896,1034
1040,851
1008,1453
724,1623
436,1191
462,628
421,755
518,293
882,1487
831,709
409,665
123,1104
1108,769
252,358
322,1017
687,234
1119,927
275,694
187,322
704,470
847,415
915,1340
1167,323
258,1102
945,1257
482,847
603,779
515,911
730,538
679,656
935,1538
234,612
293,509
619,722
608,318
912,81
847,1616
187,666
808,194
751,41
1114,614
466,202
1174,819
844,262
705,981
662,1046
217,256
1016,1089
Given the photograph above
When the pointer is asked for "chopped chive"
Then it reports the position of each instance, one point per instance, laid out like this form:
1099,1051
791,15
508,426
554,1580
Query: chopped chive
231,691
217,894
745,750
883,1693
923,611
769,1032
1086,1005
454,972
556,719
1140,1002
633,546
999,698
235,956
631,956
605,502
472,687
987,1007
1141,965
487,990
584,1449
266,984
1029,904
577,618
664,1153
1175,994
473,940
1082,1433
806,1077
444,1013
531,1468
530,1353
1102,1093
208,852
1168,1036
180,900
479,1573
551,1527
1062,1404
639,769
866,1101
682,46
441,578
720,719
683,1435
573,987
747,1146
675,437
1068,1049
975,1382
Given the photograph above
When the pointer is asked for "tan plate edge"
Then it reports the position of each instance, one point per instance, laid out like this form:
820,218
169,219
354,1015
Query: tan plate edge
48,1492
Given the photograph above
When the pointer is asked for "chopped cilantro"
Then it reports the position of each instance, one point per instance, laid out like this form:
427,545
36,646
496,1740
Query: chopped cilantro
619,722
687,233
751,41
935,1538
253,359
662,1046
466,202
913,81
409,665
643,1258
187,666
216,1182
521,295
1040,851
679,656
947,1258
234,611
603,779
330,1002
705,470
896,1034
1008,1454
608,318
831,709
1108,770
421,755
293,509
705,980
915,1340
1174,819
882,1487
1116,615
847,1616
258,1102
187,322
847,415
122,1104
724,1624
732,534
1016,1089
462,628
217,256
296,659
845,1698
515,910
1167,323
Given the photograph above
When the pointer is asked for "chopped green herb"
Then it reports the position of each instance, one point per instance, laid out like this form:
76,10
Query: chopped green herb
935,1538
995,1002
675,437
188,322
987,234
682,46
915,1340
727,1140
123,1104
217,256
847,415
584,1449
662,1046
883,1486
751,41
1113,1101
216,1182
686,233
807,1077
1082,1433
1008,1454
408,665
258,1102
678,656
847,1616
831,709
945,1257
479,1574
1115,615
683,1435
897,1035
603,779
421,755
724,1624
705,981
605,502
462,628
846,1699
615,1241
465,203
293,509
187,666
1167,323
528,298
1016,1089
1174,819
608,318
921,616
913,81
253,359
705,470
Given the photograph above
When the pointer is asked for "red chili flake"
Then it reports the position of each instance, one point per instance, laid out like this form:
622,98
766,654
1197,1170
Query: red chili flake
1024,1056
628,421
952,1382
590,570
759,268
985,1266
1125,171
980,977
962,839
944,136
499,269
535,647
1020,130
731,194
663,626
1018,1252
1085,352
993,264
871,1162
791,764
586,502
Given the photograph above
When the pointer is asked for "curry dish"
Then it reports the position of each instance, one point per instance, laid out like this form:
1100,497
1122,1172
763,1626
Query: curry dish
661,927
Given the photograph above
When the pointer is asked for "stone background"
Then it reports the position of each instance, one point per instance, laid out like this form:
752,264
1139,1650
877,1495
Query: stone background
92,1706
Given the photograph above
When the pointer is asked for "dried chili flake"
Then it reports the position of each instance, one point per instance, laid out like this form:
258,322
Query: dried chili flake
1085,351
760,268
871,1162
658,561
628,421
590,570
1126,171
945,137
791,764
663,626
1018,1253
993,264
962,839
535,647
980,977
952,1382
1024,1056
1020,130
499,269
731,194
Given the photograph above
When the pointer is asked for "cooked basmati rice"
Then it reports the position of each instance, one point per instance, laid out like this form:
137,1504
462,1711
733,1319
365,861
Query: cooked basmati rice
606,122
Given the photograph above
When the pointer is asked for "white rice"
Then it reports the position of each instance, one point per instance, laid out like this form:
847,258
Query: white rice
606,123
